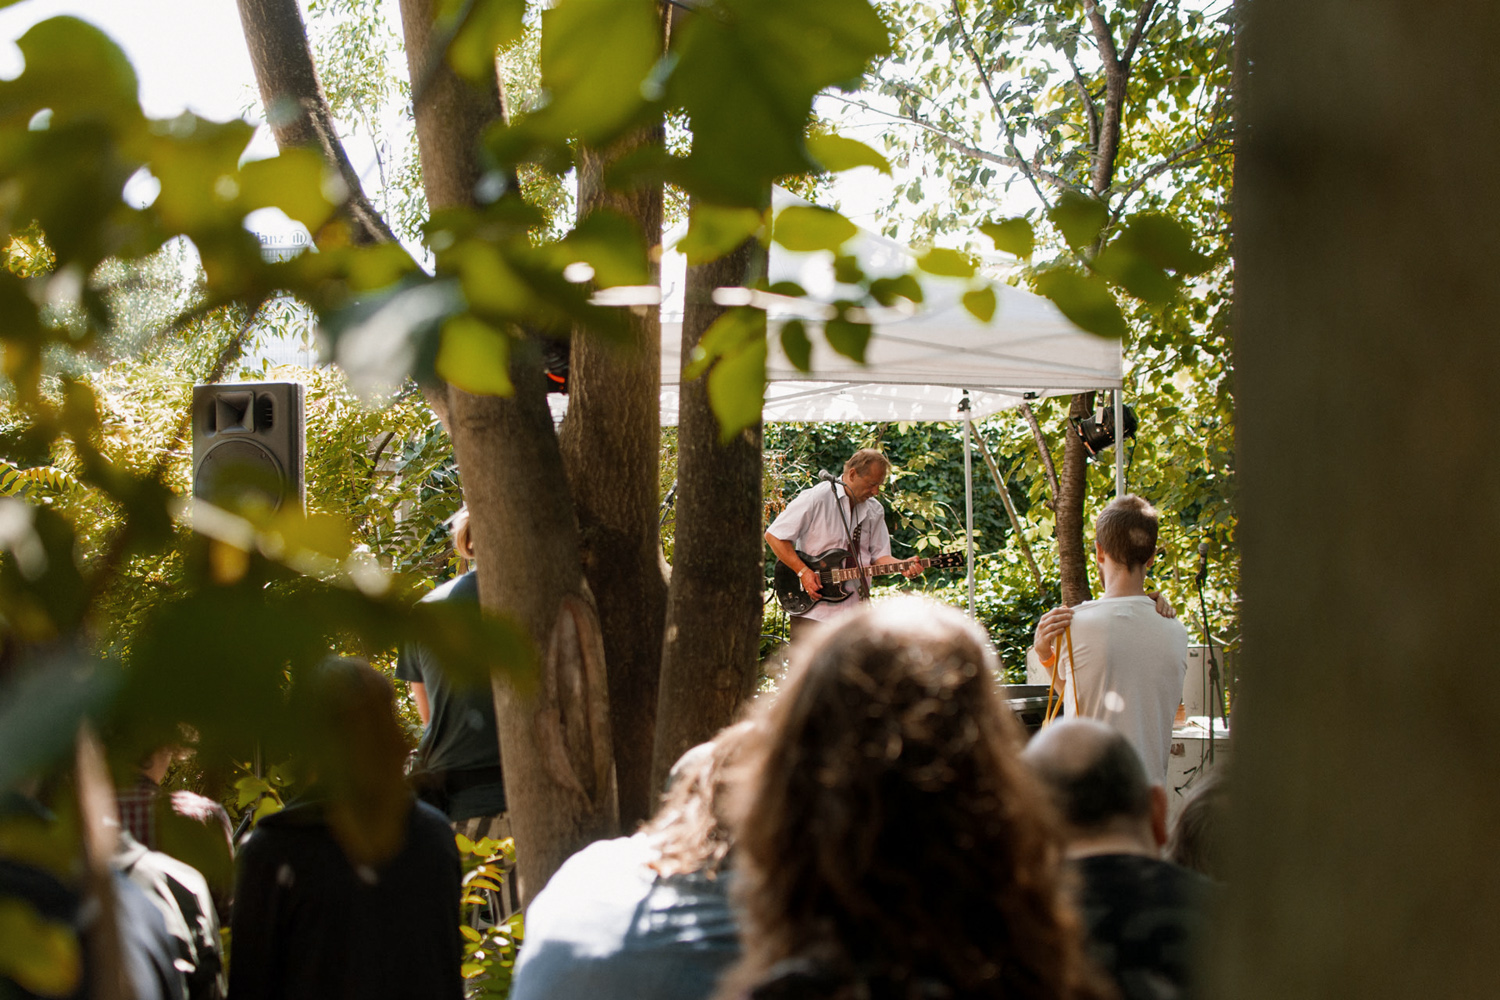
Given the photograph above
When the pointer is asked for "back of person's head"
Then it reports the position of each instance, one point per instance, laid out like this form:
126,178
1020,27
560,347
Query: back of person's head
1094,775
463,538
1125,530
861,462
354,751
689,828
888,830
1198,835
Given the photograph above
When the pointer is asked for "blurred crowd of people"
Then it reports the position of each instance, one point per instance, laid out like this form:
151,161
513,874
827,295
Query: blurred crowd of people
878,828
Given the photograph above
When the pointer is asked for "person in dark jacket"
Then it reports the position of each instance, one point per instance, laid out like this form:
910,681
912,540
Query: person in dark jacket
352,890
1146,916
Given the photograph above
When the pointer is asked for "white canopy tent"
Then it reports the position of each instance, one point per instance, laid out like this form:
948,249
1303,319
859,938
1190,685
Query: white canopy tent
921,363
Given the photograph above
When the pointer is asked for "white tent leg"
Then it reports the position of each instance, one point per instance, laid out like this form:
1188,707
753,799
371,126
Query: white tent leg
969,497
1119,395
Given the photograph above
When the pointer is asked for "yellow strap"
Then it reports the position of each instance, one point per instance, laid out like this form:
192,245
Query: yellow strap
1054,709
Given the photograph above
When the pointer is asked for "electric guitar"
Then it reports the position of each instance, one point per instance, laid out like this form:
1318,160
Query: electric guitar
832,575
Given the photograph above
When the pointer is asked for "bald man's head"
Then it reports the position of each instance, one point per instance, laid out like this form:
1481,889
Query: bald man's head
1095,776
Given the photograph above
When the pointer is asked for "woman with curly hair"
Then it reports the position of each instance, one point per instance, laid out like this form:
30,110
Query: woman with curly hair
890,843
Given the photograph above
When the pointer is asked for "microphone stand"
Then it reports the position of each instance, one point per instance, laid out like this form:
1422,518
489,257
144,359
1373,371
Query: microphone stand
1214,688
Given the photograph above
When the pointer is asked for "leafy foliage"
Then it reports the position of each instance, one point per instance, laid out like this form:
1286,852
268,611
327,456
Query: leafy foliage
490,948
1005,106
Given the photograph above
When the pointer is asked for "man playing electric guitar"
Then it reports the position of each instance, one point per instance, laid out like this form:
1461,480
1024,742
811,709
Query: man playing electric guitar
837,514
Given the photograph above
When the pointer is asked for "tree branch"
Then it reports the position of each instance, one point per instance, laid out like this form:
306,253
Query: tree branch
1115,78
1056,180
1091,109
297,108
1215,135
984,78
1041,447
1142,21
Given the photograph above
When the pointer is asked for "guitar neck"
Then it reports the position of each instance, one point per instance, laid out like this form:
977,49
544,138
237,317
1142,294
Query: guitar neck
840,575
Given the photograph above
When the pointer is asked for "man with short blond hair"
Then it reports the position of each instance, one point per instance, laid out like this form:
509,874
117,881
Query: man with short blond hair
1128,660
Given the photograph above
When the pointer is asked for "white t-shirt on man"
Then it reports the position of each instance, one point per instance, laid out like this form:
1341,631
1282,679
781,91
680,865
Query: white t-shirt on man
815,522
1128,667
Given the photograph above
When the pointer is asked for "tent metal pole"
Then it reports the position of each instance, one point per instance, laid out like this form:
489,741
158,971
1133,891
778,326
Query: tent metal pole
968,493
1119,395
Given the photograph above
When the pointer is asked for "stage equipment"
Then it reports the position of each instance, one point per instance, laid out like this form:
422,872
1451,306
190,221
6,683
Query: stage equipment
249,444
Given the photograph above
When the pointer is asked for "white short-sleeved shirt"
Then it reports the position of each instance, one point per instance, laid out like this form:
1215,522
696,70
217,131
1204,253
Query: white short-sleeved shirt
813,524
1128,667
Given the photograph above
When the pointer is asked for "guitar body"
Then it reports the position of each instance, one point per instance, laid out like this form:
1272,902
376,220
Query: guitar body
797,601
789,589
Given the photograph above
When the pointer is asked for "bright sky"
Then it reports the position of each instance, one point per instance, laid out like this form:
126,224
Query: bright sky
189,54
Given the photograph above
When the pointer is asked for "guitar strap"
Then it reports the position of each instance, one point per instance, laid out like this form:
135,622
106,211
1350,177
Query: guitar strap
853,539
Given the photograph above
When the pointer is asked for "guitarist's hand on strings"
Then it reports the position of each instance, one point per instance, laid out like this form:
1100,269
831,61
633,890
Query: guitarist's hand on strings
1053,624
910,570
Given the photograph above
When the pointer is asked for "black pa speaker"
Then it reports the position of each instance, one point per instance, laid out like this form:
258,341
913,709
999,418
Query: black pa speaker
249,444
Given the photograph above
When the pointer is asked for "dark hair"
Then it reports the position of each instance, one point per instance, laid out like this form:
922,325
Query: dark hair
1197,836
1125,530
859,463
888,830
1099,783
688,828
353,748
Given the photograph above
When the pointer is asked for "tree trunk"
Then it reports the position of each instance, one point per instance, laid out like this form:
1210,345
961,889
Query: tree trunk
712,647
1363,813
611,442
1073,490
297,109
555,741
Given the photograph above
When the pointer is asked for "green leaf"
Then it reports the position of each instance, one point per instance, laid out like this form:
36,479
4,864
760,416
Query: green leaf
295,182
1013,236
595,55
75,70
1121,265
1083,298
40,712
887,290
796,345
487,25
1079,218
714,230
947,263
737,389
1164,242
197,163
39,955
728,334
836,154
612,245
846,270
475,357
469,933
746,76
803,229
981,303
847,337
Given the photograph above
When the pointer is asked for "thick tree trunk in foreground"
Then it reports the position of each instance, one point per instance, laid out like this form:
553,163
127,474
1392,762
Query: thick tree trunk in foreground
1367,754
297,108
712,647
1072,492
555,741
611,443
